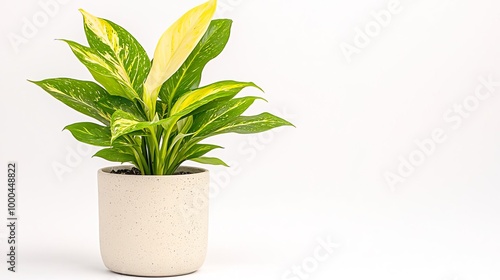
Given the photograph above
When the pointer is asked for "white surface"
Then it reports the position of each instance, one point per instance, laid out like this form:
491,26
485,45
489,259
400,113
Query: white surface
293,186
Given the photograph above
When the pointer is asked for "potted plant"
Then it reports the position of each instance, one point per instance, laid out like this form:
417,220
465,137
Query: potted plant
154,115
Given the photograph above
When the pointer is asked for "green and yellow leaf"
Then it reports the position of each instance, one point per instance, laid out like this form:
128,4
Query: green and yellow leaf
174,47
199,97
108,73
253,124
210,160
87,98
211,120
188,76
119,48
116,155
199,150
123,123
91,133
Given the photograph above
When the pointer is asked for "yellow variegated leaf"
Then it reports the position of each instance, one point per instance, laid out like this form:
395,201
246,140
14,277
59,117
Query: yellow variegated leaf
252,124
175,45
102,29
123,123
103,71
88,98
108,36
119,48
198,97
189,74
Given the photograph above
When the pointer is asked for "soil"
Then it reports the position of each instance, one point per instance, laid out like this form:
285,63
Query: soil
135,171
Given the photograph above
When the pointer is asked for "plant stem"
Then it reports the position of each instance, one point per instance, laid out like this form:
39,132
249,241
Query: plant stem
173,152
154,150
140,157
163,150
140,163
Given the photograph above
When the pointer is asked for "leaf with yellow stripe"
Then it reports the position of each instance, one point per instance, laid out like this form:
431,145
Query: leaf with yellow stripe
119,47
94,134
108,73
253,124
119,154
91,133
221,114
188,76
198,150
174,47
88,98
123,123
199,97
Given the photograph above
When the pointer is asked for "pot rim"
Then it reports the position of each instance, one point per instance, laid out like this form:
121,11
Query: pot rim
106,171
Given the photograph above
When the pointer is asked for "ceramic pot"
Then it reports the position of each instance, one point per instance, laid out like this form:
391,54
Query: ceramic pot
153,225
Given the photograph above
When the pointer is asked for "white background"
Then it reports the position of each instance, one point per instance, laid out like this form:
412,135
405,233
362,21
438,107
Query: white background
355,117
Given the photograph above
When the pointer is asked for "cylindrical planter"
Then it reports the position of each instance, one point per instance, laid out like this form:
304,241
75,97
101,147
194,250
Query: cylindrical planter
153,225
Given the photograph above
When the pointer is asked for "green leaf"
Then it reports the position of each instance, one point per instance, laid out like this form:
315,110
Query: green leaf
175,46
199,150
119,47
184,125
202,96
209,160
87,98
199,97
188,76
223,113
116,155
123,123
108,73
179,137
91,133
253,124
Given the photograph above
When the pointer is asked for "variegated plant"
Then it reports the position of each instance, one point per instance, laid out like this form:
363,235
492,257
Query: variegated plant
154,114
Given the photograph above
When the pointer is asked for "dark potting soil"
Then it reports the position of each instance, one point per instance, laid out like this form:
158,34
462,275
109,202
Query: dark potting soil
135,171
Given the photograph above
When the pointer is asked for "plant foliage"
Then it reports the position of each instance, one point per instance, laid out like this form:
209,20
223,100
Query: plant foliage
154,114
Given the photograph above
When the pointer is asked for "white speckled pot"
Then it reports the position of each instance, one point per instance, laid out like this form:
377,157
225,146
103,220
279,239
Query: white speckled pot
153,225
